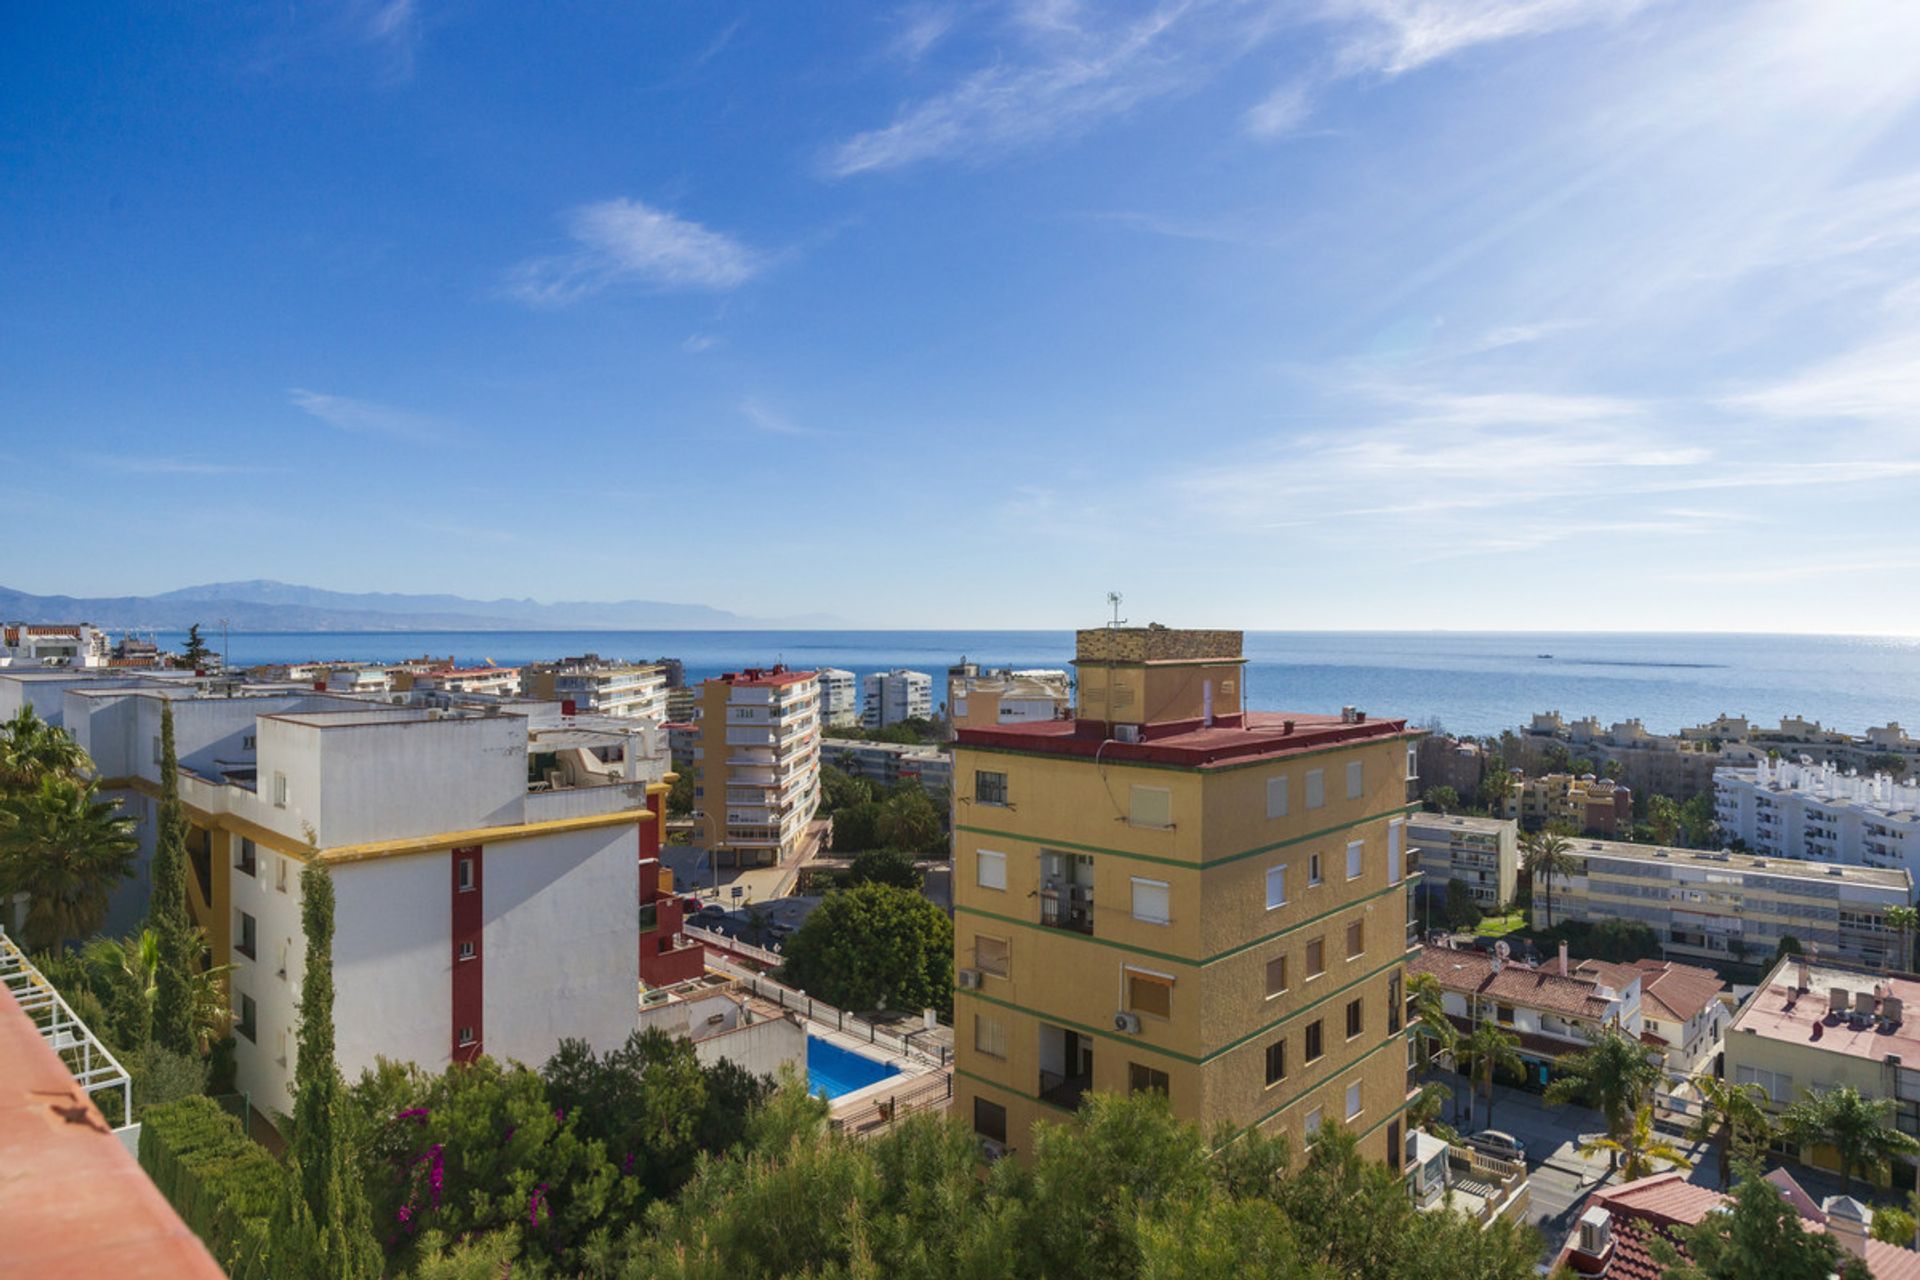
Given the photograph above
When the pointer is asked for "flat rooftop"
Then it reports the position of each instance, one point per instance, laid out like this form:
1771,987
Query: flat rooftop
770,677
1780,1011
1461,822
1256,736
1754,864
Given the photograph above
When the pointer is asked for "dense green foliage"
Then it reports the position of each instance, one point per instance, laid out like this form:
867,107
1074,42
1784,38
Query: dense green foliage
1859,1129
885,866
875,947
1441,799
66,849
680,793
913,731
1762,1236
224,1186
1461,911
1614,1075
167,904
1545,856
905,818
194,653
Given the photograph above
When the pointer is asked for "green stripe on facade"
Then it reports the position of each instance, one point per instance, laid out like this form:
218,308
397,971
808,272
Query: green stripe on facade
1307,1090
1205,863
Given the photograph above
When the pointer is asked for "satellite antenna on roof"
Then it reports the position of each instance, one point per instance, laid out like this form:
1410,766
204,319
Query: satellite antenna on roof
1113,602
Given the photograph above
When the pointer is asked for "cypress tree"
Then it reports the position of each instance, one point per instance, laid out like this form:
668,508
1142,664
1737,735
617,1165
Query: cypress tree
167,906
321,1157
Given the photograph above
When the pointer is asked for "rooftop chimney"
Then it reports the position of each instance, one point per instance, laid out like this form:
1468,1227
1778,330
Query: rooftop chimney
1562,970
1847,1222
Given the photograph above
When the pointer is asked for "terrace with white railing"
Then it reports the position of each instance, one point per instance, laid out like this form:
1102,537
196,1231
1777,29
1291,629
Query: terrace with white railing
93,1068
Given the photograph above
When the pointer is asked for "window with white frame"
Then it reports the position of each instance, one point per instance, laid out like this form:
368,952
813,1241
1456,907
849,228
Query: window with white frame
989,1035
1356,780
990,869
1313,869
1355,858
279,790
1353,1099
1396,849
1277,797
1150,901
1314,1119
1413,763
1151,807
1316,788
1276,887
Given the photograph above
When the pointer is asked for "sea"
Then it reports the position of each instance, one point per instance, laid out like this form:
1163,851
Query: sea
1462,682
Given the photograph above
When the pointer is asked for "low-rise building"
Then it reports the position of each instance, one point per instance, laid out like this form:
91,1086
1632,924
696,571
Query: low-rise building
667,955
1594,806
839,698
1812,1025
1792,810
65,644
891,763
981,697
1683,1007
590,685
1481,853
888,697
1729,906
366,681
501,682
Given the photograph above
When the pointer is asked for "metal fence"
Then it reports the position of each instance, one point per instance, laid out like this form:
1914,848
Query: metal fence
911,1045
929,1092
760,955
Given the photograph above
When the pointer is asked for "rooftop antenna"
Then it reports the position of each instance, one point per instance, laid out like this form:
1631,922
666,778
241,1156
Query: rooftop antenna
1113,602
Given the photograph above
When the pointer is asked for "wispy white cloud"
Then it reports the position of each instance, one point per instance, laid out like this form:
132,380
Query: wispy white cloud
364,417
700,343
1878,382
770,420
629,242
920,28
1393,37
1282,111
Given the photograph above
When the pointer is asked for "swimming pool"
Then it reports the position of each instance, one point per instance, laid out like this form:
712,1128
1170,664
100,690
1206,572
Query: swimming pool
832,1071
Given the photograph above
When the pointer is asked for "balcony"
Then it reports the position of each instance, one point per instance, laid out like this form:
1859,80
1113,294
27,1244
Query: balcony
1066,1066
1067,906
1064,1091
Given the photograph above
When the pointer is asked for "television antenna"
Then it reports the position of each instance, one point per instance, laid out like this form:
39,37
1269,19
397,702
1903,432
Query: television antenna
1113,602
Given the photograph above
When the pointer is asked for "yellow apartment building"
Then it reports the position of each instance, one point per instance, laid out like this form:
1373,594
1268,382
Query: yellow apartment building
756,767
1168,892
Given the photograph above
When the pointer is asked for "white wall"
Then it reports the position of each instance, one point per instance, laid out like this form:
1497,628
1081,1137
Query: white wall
277,927
393,961
761,1047
561,944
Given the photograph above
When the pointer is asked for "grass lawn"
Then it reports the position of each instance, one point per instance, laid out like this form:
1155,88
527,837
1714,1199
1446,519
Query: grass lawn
1500,926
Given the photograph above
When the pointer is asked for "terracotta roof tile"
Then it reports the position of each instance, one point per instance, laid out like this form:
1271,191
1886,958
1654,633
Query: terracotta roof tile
1472,971
1683,991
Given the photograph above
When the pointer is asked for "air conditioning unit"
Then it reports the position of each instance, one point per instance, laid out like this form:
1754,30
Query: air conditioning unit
969,979
1127,1022
1126,733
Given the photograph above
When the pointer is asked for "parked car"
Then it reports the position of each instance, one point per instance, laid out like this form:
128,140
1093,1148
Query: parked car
1502,1146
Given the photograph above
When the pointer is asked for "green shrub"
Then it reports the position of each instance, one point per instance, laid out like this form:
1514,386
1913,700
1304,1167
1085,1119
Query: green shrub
223,1185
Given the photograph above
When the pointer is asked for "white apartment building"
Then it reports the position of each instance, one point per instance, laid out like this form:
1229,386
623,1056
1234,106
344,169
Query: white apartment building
888,697
1481,853
757,765
499,682
364,681
76,644
1721,906
1790,810
839,698
978,697
473,913
593,687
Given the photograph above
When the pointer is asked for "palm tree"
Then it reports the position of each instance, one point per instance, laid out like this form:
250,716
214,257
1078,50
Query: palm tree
1495,786
1735,1116
66,850
208,1010
31,749
1904,919
1638,1148
1488,1049
1859,1129
1614,1074
1438,1034
1545,854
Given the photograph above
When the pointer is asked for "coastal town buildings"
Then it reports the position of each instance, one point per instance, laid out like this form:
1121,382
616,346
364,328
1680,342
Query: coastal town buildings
1723,906
1814,1025
839,698
891,763
499,682
1685,1008
988,696
75,644
1169,892
1457,763
888,697
1790,810
757,765
1481,853
1650,763
1586,804
373,681
1888,748
591,686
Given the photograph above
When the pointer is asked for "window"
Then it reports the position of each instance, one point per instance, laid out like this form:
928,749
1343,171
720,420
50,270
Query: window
279,790
1356,1021
992,955
988,788
1150,901
960,713
247,742
1276,1062
990,1120
1316,957
1355,858
990,869
1276,887
1394,1004
1316,788
280,874
245,860
1315,1040
1503,1014
1141,1079
1314,1119
1276,975
246,944
1396,846
1356,780
466,951
1150,993
1413,764
1313,869
1353,1099
1277,797
466,1037
1356,939
466,874
248,1025
989,1035
1151,807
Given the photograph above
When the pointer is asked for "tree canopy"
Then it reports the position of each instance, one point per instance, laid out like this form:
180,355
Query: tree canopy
874,947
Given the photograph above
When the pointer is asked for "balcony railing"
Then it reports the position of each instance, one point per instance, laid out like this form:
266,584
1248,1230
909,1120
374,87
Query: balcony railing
1062,1090
1067,907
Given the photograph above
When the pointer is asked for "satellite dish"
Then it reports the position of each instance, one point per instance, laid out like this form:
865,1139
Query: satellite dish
1502,950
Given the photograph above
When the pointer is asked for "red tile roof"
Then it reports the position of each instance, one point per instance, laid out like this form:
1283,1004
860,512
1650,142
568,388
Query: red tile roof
1472,972
1679,992
756,676
1236,740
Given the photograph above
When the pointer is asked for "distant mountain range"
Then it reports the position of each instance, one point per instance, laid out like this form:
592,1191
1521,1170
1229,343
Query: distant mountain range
279,606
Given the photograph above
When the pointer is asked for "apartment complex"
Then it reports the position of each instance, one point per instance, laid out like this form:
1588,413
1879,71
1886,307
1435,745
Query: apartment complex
888,697
474,912
891,763
839,698
757,766
498,682
1816,1025
1586,804
1168,892
1730,906
75,644
978,696
590,686
1651,763
1797,736
1816,811
1481,853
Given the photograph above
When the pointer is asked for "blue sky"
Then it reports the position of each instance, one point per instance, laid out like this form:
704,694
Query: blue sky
1322,313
